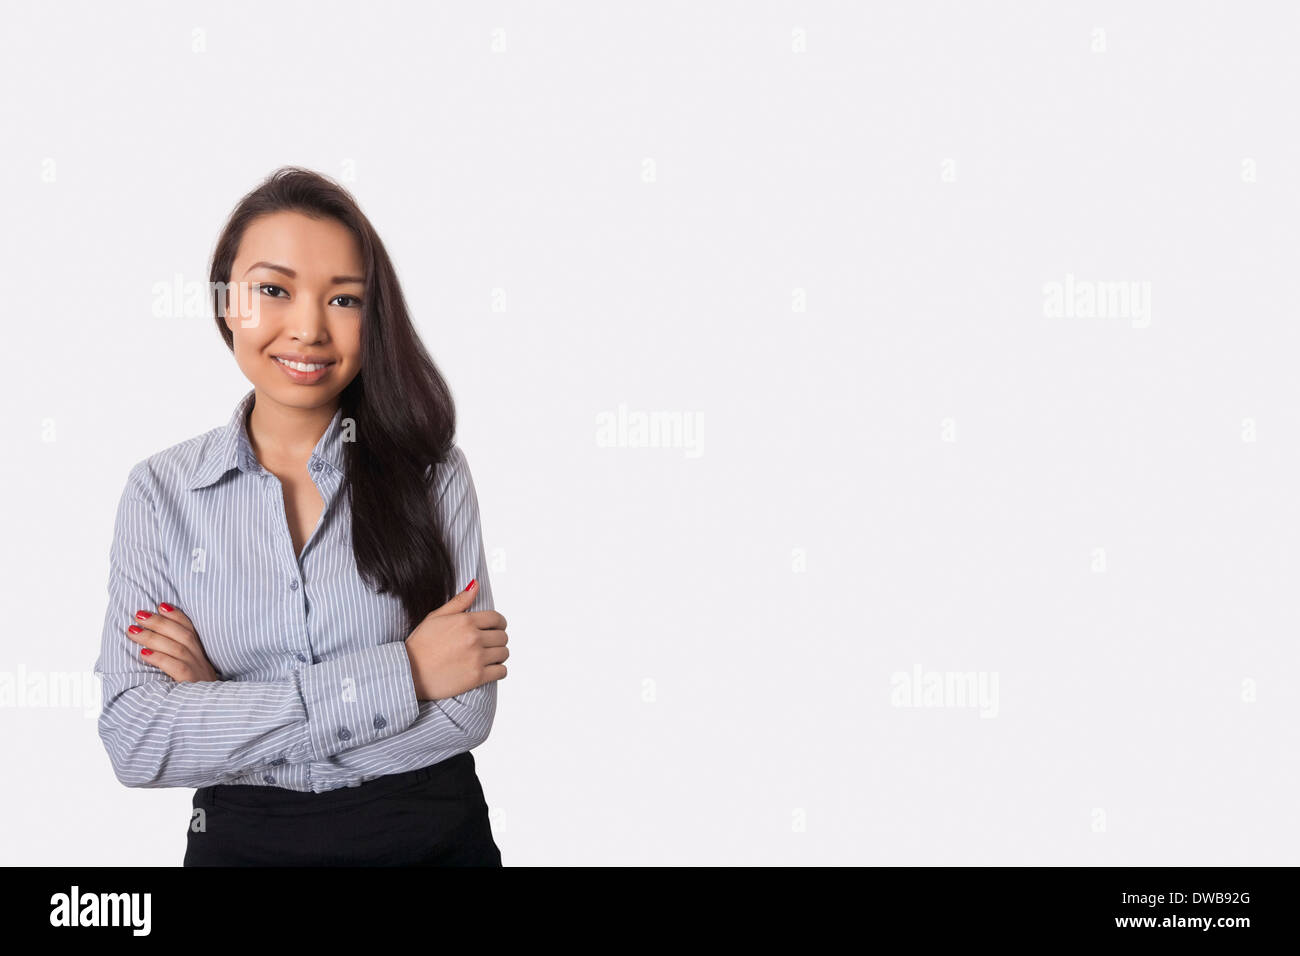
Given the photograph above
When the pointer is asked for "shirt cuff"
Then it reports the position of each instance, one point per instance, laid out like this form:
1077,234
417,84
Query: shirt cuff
358,698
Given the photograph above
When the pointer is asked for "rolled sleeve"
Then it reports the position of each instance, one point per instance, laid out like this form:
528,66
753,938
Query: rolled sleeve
357,699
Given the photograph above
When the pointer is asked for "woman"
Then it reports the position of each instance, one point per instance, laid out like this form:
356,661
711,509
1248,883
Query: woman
286,630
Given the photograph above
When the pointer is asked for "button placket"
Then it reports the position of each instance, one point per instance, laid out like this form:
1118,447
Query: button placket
293,614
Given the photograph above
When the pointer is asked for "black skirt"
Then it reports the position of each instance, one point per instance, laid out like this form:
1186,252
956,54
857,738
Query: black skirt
433,816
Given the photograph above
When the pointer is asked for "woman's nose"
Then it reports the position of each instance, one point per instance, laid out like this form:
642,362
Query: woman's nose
307,321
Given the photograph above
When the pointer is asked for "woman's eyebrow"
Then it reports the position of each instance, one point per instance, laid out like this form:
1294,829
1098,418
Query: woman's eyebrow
337,280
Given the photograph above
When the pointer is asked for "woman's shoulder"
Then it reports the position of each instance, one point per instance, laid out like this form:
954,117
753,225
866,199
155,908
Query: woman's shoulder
452,467
177,467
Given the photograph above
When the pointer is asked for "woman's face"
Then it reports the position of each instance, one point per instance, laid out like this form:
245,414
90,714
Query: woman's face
302,303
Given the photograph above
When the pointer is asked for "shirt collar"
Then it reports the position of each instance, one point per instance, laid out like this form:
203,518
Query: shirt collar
230,447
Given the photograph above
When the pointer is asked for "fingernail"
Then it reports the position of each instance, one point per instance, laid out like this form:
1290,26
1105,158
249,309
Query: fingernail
471,583
145,651
135,630
142,615
166,607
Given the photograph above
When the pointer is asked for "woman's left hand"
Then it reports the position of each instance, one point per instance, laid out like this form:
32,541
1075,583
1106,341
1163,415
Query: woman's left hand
171,644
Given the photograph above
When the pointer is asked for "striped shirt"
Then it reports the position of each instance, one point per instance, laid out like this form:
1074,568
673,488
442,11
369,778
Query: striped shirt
316,690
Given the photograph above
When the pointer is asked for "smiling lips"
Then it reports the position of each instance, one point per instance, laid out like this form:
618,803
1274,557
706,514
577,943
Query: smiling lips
301,369
303,366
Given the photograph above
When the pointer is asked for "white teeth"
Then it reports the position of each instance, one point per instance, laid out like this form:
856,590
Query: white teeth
299,365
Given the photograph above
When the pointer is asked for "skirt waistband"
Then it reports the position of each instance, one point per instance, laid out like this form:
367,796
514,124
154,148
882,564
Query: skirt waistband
457,771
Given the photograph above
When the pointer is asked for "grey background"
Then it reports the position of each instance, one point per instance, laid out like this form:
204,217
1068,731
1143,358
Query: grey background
704,645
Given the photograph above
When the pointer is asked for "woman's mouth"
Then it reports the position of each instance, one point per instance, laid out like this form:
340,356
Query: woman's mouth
304,373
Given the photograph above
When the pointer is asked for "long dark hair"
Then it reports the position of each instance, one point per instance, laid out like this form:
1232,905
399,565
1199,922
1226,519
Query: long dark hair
404,414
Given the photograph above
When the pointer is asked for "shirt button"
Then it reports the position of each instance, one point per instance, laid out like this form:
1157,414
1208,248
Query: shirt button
345,734
268,778
293,585
277,761
300,657
315,466
380,723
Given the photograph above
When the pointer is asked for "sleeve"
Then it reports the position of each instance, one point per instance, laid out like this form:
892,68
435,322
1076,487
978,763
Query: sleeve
457,510
448,726
161,733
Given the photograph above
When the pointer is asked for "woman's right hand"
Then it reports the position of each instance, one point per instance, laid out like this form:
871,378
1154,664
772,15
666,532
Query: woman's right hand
454,649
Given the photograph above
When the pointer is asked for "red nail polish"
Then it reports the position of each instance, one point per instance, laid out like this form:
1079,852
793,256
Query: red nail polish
135,630
145,651
471,583
142,615
166,607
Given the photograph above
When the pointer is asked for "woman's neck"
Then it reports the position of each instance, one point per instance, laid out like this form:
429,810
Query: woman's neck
284,435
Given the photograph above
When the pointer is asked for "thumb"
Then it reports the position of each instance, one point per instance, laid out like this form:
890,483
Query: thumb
462,601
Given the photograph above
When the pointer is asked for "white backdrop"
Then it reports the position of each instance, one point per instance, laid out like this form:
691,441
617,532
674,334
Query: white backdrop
973,536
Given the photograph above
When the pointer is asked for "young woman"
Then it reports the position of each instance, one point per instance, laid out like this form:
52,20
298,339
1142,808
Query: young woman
300,622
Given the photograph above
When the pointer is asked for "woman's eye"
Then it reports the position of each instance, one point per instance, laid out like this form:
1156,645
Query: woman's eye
262,287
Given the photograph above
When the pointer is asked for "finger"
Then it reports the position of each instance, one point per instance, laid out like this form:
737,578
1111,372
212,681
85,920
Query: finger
154,641
487,619
173,613
492,638
169,628
495,655
461,602
177,670
163,662
494,672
